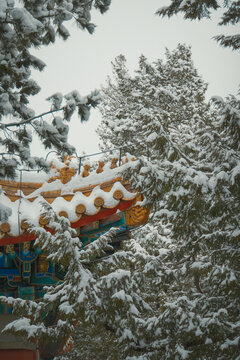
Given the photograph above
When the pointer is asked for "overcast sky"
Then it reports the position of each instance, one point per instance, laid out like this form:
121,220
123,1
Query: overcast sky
131,28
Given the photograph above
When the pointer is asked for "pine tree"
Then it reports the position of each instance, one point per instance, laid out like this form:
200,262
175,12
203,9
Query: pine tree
196,9
187,258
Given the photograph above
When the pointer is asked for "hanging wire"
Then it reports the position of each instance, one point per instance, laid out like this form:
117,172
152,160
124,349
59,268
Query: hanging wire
52,151
95,154
120,156
79,158
19,205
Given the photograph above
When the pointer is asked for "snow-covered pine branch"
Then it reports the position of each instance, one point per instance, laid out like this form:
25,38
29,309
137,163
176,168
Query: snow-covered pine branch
195,9
23,26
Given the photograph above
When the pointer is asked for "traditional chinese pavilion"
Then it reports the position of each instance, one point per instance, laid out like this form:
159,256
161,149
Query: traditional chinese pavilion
93,201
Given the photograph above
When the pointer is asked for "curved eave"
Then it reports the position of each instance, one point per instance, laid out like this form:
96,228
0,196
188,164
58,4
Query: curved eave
86,219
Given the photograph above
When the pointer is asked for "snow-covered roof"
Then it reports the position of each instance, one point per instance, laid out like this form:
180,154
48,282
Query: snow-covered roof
81,196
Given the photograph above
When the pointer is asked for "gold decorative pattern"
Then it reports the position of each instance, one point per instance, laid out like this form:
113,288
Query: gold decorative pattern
26,246
100,167
80,209
43,263
65,173
99,201
10,249
63,213
43,220
24,225
136,216
95,225
86,168
114,163
127,160
118,194
5,227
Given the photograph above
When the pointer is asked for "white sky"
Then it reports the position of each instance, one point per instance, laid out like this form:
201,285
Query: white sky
131,28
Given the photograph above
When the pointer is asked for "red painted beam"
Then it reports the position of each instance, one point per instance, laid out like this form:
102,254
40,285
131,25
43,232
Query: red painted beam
81,222
18,354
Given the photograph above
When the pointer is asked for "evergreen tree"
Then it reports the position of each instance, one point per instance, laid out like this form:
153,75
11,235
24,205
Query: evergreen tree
187,257
195,9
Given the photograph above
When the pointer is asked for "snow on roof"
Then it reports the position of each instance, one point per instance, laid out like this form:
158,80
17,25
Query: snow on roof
90,205
80,196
